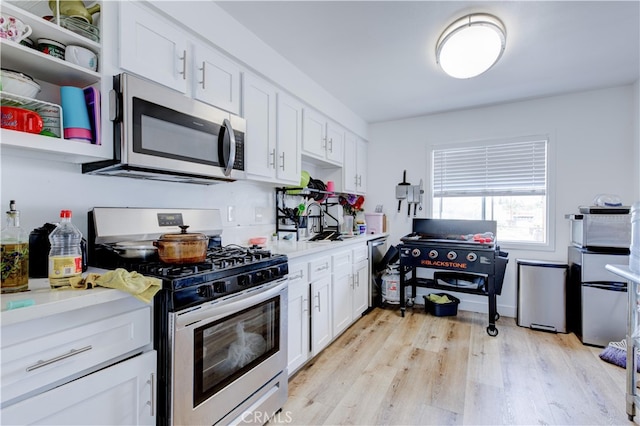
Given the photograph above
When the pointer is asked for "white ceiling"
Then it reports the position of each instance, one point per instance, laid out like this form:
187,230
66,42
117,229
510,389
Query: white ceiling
378,57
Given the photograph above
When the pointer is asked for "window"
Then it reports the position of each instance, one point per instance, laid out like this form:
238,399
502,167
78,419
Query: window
505,182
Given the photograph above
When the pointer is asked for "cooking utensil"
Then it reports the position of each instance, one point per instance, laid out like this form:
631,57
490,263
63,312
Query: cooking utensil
138,250
402,189
17,83
182,247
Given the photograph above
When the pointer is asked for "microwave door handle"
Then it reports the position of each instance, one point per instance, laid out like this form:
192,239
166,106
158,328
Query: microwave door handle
230,140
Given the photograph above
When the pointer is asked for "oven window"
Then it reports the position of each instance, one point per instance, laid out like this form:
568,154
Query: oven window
226,349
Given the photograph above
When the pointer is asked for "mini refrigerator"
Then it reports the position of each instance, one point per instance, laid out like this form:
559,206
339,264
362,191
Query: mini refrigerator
542,295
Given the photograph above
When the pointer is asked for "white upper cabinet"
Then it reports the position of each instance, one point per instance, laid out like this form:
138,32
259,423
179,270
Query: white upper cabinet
289,139
321,138
354,170
335,143
50,73
158,49
217,79
274,129
259,109
152,47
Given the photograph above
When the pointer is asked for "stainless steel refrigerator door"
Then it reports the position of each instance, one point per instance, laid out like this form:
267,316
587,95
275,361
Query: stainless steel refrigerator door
604,315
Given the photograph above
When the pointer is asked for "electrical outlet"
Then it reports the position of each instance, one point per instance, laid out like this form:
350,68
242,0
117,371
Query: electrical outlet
231,213
259,214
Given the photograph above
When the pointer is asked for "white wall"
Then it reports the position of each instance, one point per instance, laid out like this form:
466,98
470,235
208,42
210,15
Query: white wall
592,134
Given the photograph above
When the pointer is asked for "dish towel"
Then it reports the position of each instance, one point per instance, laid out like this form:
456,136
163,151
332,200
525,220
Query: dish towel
141,287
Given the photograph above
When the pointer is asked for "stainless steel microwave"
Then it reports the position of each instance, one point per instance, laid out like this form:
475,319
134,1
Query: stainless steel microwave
161,134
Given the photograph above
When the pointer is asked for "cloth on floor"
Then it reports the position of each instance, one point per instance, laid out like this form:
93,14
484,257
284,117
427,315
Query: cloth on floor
141,287
616,353
436,298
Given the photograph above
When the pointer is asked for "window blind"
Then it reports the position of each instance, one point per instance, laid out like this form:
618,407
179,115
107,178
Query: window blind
516,168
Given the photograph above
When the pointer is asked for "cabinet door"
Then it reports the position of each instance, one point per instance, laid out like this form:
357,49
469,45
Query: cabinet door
216,79
341,306
123,394
314,136
298,317
259,105
349,168
320,314
289,139
361,167
360,300
152,47
335,143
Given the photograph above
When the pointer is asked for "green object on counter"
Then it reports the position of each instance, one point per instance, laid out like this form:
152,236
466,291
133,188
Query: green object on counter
15,304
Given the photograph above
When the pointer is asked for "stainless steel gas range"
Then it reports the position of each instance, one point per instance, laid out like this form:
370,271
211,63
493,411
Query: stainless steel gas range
219,325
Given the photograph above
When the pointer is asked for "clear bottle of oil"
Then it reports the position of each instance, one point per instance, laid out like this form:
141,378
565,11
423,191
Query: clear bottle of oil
65,257
14,243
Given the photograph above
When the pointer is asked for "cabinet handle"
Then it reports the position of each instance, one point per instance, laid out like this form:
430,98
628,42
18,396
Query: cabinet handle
152,384
318,305
323,144
357,281
296,276
353,281
356,180
331,145
71,353
203,74
282,160
272,154
305,305
183,58
323,267
359,180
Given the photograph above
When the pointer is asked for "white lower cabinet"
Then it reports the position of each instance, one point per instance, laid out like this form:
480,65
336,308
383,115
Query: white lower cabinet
87,365
341,291
320,277
360,301
123,394
327,294
298,316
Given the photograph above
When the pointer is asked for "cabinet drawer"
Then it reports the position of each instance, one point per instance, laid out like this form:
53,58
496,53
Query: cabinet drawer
319,268
71,347
123,394
341,259
298,272
360,254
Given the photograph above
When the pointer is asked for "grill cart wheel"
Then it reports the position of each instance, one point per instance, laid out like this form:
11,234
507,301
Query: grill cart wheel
492,331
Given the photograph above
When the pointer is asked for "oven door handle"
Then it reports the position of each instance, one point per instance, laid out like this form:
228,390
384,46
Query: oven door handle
220,308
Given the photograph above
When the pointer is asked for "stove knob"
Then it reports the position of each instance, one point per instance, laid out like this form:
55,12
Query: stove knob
433,254
220,287
471,257
275,272
205,290
415,252
244,280
452,255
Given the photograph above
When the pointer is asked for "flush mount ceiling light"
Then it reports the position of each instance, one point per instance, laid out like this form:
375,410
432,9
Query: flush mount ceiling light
471,45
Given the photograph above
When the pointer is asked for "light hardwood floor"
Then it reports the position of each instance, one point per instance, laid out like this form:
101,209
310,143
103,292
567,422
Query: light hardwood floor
421,369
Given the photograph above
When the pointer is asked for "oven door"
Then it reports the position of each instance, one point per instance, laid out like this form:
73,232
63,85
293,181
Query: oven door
227,351
163,130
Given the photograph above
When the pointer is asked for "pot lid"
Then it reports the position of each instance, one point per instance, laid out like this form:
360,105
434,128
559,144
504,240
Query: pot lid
183,235
139,245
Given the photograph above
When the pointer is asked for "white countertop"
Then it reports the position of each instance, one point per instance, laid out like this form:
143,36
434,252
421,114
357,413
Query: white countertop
293,248
50,302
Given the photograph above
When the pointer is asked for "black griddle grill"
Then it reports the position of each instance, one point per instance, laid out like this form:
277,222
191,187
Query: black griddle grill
464,256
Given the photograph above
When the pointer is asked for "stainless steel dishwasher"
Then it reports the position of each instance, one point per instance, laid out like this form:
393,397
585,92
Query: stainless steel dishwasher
377,251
